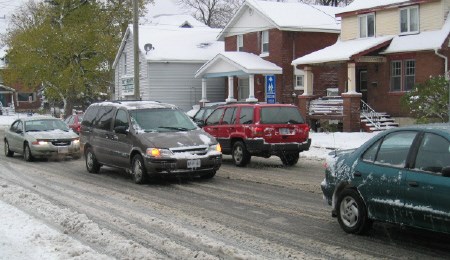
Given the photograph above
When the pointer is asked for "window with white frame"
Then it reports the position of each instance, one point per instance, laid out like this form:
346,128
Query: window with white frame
124,63
366,25
403,75
299,78
240,42
265,42
409,20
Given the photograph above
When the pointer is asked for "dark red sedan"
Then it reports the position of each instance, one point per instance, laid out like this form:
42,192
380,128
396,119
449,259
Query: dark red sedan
74,122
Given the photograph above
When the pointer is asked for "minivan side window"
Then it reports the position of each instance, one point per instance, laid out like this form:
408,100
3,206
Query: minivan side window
215,116
89,116
121,118
246,116
104,118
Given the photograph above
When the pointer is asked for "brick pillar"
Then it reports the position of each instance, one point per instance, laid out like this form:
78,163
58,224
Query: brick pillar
352,120
303,105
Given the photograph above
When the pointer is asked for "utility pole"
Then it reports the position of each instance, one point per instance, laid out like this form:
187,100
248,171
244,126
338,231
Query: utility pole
137,94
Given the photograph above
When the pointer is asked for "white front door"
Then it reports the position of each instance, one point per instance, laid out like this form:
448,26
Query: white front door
243,88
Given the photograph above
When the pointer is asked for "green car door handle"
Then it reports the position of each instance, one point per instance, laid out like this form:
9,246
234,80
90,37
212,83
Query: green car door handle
357,174
413,184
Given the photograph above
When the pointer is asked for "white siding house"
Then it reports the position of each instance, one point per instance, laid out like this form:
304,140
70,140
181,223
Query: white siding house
169,55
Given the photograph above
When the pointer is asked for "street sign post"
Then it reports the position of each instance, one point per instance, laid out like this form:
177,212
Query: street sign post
271,87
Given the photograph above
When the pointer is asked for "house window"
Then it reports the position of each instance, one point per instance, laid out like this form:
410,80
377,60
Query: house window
366,25
124,63
403,75
25,97
409,20
265,42
299,79
240,42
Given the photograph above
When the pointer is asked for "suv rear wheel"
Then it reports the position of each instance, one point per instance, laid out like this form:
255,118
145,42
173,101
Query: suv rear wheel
289,159
241,156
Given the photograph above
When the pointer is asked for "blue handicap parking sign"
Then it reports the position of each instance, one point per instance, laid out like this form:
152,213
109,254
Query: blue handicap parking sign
271,87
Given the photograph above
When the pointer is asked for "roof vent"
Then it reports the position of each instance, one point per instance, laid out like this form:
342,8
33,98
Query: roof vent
148,47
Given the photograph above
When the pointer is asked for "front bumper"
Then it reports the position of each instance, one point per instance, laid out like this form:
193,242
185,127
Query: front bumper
256,146
179,166
50,150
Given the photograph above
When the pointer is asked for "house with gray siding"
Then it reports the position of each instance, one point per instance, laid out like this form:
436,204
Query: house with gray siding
169,55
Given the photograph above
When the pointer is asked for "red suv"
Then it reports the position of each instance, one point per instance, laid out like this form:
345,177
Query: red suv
253,129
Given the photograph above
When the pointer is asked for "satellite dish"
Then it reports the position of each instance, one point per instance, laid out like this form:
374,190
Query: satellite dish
148,47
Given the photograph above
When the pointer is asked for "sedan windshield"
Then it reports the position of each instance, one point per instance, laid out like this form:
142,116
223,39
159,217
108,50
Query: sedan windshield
45,125
161,120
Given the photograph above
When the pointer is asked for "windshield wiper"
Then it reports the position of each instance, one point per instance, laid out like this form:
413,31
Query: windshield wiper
174,128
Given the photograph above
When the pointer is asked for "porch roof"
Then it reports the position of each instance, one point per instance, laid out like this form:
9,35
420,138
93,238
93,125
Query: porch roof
430,40
4,88
235,64
343,50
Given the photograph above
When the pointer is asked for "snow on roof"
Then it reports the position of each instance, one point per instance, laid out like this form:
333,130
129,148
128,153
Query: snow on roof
298,15
246,62
171,43
291,16
357,5
341,50
172,20
429,40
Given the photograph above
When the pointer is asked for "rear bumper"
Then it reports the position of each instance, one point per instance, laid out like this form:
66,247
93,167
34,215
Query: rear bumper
257,146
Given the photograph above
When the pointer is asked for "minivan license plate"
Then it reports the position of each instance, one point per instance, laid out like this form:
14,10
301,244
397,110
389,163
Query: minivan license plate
193,163
63,149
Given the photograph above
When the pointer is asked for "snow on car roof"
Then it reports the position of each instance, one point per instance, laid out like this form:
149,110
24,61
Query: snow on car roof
136,104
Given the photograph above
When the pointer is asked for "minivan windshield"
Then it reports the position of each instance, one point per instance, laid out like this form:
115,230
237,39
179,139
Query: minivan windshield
281,115
161,120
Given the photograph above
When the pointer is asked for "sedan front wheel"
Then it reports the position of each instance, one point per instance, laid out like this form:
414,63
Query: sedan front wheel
352,213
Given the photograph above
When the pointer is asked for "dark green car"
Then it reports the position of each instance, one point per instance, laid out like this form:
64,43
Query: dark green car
400,176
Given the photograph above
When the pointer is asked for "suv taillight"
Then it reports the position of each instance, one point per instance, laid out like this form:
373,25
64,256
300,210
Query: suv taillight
257,131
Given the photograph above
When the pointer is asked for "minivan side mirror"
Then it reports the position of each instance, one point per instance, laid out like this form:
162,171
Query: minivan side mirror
121,129
446,171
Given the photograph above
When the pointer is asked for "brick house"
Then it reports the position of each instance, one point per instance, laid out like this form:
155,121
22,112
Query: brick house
385,48
261,40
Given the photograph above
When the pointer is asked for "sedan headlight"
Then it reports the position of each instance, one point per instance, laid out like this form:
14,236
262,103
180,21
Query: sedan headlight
76,141
216,148
158,153
40,142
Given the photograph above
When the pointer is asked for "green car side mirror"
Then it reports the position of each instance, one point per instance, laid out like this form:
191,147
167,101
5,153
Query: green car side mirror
446,171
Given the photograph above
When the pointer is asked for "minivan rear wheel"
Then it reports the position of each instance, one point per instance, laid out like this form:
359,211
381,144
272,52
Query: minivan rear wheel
92,164
138,170
241,156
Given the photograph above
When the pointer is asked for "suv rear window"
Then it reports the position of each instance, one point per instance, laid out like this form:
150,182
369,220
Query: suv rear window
281,115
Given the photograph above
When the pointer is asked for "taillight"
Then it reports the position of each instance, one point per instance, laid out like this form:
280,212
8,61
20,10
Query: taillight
78,128
257,131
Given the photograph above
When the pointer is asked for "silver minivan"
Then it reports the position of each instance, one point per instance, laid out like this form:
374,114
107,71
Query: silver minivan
147,138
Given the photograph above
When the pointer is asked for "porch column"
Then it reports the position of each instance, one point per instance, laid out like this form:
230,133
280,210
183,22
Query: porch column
251,86
230,90
308,90
351,80
204,99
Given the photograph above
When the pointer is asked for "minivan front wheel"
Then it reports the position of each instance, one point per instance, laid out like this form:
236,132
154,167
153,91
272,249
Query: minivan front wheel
352,213
92,164
138,170
241,156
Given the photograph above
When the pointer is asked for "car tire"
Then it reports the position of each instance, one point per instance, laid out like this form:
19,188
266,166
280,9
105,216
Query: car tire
8,152
208,175
92,164
27,156
289,159
138,170
352,212
240,155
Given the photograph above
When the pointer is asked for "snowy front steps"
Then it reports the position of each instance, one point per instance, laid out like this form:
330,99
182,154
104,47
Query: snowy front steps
377,122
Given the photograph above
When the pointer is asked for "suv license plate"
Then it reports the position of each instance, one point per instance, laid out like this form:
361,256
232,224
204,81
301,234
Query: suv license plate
63,149
285,131
193,163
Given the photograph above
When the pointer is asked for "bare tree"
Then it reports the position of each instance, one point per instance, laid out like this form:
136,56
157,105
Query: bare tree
214,13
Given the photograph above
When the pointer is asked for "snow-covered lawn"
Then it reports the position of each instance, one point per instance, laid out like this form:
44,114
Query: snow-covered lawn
24,237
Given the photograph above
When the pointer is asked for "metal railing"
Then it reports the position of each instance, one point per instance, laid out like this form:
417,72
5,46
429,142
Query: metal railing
370,115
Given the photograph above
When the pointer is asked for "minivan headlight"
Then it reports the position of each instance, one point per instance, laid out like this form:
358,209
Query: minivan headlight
158,153
216,148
